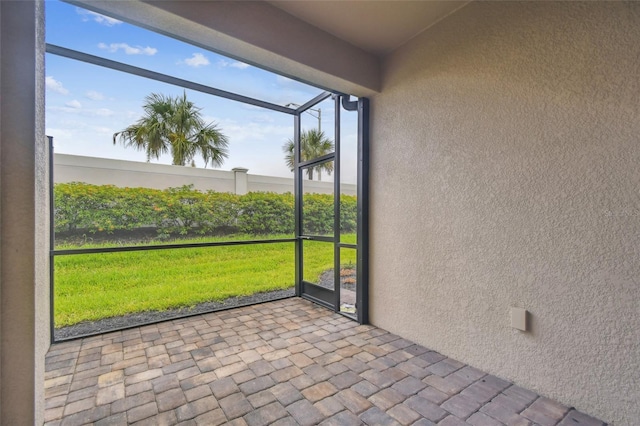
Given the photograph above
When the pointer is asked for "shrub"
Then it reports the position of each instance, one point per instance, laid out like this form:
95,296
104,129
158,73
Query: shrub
348,213
181,210
266,213
81,207
318,214
103,208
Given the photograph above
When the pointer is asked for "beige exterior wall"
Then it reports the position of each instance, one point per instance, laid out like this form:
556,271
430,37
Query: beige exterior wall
24,273
520,123
104,171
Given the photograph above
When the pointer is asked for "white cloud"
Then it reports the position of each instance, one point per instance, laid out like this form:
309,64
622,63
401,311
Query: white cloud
75,108
243,132
103,112
236,64
197,60
94,95
239,65
58,132
75,104
55,86
96,17
104,130
263,118
129,50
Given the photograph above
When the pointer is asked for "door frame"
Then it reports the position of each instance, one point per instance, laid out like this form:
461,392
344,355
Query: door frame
305,289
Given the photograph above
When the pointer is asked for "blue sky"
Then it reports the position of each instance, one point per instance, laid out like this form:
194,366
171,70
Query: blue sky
86,104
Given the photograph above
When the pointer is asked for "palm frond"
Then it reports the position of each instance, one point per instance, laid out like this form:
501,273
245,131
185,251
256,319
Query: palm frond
175,125
313,144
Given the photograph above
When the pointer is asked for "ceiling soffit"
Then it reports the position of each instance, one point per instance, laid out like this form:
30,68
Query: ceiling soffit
378,27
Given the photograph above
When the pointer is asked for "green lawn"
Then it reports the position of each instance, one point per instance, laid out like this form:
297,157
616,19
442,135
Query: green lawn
94,286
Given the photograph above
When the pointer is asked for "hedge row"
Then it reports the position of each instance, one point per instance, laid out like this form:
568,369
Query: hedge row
81,207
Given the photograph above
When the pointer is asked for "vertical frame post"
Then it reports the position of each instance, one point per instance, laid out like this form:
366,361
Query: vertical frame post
362,296
52,241
336,204
297,194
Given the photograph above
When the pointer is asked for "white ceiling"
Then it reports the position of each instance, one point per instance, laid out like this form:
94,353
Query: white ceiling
375,26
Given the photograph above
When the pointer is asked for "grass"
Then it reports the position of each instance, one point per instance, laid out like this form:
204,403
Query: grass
94,286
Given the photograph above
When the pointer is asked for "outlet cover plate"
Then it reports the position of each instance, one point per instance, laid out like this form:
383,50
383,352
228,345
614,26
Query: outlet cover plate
519,319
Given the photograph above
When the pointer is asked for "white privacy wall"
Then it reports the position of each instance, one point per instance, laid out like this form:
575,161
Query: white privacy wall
518,127
104,171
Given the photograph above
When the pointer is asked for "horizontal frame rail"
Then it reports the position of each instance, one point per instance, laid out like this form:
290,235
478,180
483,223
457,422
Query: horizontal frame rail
347,245
168,246
321,97
325,158
322,238
164,78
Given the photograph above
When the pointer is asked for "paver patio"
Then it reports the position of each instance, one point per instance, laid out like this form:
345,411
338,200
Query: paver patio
284,363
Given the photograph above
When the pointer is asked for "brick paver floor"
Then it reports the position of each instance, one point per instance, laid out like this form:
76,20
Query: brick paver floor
287,362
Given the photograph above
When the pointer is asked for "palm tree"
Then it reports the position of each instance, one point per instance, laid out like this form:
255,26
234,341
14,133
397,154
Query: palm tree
175,125
313,144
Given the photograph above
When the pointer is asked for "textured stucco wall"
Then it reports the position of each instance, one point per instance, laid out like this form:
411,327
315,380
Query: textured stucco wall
42,213
520,123
24,301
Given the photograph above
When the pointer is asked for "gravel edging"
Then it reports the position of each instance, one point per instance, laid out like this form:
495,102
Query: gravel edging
327,279
106,325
